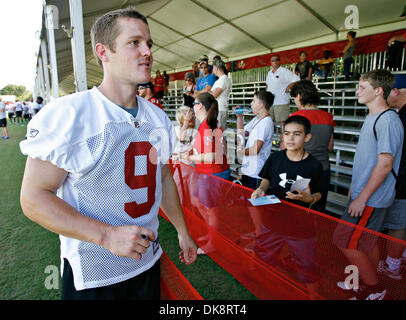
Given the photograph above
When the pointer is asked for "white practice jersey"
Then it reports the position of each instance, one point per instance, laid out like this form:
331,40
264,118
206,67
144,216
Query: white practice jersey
114,164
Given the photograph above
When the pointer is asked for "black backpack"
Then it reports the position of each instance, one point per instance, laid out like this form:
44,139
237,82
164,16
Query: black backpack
380,115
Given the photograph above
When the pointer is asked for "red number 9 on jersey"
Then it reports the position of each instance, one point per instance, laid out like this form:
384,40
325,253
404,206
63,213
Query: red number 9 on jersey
148,180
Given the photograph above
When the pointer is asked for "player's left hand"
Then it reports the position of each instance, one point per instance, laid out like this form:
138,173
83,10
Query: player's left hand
188,253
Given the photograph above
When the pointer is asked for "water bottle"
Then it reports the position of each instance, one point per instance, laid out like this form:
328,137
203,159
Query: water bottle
242,110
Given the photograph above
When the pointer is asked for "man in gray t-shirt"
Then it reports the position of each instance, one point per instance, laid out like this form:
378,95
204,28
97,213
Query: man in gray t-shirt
373,185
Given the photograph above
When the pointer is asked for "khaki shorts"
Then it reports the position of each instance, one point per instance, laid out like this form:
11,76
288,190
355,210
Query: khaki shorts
279,113
222,119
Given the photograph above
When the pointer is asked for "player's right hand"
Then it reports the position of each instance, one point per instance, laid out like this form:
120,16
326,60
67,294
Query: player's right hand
127,241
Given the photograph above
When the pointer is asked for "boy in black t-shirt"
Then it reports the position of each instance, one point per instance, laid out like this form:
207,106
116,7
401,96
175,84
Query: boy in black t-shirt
288,225
284,167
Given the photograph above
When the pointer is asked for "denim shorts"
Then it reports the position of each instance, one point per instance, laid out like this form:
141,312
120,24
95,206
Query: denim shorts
395,218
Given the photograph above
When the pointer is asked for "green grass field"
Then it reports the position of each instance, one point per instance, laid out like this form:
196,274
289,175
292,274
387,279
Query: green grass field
26,249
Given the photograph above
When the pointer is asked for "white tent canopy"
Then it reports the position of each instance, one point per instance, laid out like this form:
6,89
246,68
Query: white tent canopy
183,30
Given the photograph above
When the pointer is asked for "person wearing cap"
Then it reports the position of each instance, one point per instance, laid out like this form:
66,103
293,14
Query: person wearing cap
205,58
221,91
189,89
206,81
395,219
146,91
399,37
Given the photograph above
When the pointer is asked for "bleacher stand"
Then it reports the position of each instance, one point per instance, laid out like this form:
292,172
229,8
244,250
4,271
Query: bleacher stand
338,97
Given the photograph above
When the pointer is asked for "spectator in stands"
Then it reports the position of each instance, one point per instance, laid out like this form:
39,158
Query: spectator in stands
205,58
146,91
185,131
206,81
400,37
395,219
372,188
348,52
221,91
166,77
304,69
324,66
3,120
279,81
210,158
159,85
208,149
255,139
196,70
307,99
189,89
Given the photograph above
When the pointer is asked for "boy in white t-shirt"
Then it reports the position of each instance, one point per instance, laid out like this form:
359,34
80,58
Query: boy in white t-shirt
255,138
99,181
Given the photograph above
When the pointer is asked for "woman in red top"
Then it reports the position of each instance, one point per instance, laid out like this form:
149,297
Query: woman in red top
210,159
208,148
159,84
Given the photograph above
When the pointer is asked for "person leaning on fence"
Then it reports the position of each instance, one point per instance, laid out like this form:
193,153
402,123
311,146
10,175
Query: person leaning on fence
307,98
84,173
376,162
185,131
210,158
395,219
254,142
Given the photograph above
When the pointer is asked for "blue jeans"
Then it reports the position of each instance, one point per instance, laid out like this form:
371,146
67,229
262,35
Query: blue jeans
347,66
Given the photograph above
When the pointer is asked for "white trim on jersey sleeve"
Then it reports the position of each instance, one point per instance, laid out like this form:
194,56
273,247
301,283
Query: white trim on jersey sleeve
54,135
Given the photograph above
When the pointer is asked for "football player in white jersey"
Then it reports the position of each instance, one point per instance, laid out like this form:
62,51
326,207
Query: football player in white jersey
97,172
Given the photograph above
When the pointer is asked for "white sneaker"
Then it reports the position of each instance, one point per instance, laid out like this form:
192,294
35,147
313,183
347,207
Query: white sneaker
343,286
376,296
384,268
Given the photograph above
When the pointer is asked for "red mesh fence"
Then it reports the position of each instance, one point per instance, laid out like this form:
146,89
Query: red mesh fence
174,286
295,253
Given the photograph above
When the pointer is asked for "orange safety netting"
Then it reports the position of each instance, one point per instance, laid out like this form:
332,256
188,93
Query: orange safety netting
295,253
174,286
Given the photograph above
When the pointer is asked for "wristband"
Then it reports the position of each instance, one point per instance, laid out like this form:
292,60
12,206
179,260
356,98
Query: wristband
313,202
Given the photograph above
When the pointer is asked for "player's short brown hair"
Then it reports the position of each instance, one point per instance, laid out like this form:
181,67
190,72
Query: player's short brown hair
105,29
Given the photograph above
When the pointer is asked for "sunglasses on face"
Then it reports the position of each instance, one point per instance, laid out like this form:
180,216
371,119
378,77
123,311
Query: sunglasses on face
196,102
273,60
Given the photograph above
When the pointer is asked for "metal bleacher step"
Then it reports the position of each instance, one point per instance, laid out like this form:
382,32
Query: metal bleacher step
336,202
340,180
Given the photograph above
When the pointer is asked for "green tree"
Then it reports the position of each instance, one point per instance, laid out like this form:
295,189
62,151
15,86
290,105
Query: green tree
20,92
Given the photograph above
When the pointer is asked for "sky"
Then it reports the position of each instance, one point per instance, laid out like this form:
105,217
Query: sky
19,22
